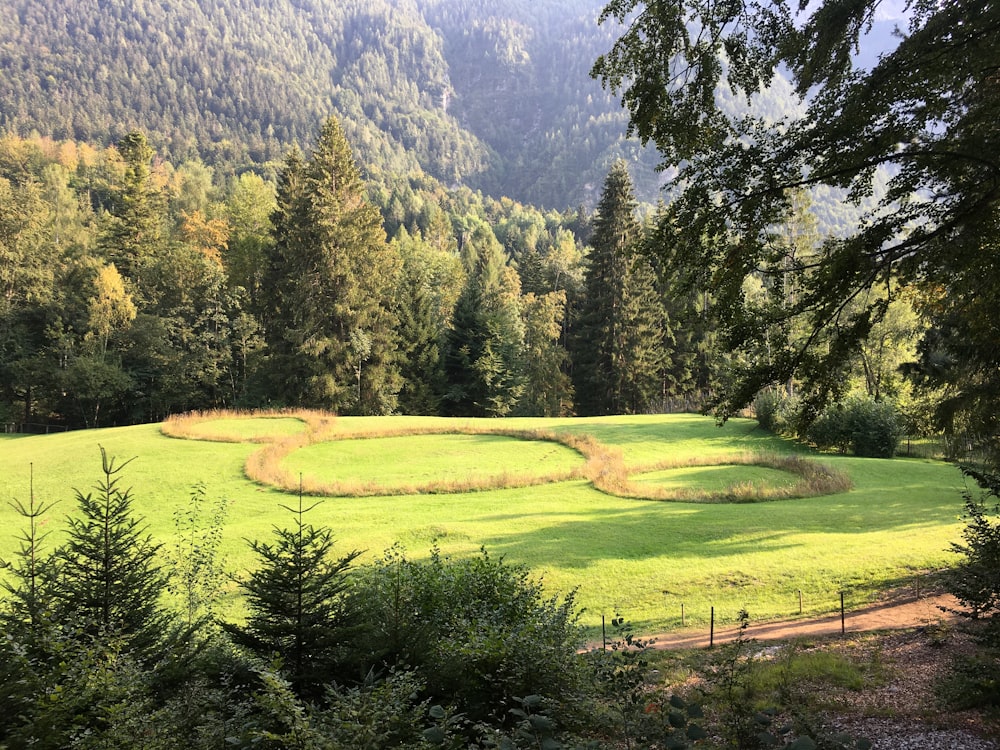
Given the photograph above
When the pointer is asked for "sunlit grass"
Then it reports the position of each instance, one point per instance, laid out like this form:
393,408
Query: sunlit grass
432,463
642,558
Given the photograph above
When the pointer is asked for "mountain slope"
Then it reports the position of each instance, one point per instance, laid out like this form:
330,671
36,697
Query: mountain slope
493,95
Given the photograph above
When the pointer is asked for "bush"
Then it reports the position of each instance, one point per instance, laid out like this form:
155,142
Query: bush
766,407
860,425
478,632
775,411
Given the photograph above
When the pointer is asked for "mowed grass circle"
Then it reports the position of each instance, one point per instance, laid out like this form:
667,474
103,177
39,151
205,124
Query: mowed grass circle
435,463
641,559
716,479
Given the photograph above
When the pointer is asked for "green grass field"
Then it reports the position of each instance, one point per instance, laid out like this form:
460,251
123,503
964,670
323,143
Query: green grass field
639,558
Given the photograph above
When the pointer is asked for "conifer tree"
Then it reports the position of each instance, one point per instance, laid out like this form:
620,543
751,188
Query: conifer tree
106,580
297,604
133,230
27,588
332,329
420,347
484,346
619,345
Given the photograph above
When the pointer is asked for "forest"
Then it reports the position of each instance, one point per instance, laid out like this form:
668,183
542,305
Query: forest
364,208
494,97
134,289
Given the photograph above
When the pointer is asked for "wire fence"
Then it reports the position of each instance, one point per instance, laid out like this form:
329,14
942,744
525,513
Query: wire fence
703,624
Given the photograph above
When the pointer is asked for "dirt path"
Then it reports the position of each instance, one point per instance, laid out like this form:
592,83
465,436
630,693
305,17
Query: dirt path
892,615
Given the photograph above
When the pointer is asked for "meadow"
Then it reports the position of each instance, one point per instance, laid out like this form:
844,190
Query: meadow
528,494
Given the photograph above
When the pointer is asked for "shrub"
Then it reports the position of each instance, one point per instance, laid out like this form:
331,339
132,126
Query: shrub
861,425
975,581
479,632
775,411
297,607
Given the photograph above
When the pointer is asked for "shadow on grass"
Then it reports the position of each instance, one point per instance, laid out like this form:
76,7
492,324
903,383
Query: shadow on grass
690,530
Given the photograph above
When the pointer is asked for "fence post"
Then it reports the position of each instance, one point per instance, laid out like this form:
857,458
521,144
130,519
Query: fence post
800,601
711,631
843,626
604,635
683,622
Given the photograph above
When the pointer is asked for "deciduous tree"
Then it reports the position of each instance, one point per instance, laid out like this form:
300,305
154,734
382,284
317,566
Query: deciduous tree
926,111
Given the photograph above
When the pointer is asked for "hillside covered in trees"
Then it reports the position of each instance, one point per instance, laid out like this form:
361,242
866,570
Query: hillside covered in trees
494,96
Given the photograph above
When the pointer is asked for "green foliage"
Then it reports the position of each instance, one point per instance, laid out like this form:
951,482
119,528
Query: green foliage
863,426
972,682
619,350
106,580
484,346
298,611
332,278
734,172
975,581
385,713
195,568
442,88
771,409
478,632
748,720
28,598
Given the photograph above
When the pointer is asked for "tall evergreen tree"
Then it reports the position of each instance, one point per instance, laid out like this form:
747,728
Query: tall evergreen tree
332,328
298,610
420,346
133,228
642,351
484,346
619,344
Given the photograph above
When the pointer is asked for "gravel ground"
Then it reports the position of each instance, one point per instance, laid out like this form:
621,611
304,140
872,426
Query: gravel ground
905,712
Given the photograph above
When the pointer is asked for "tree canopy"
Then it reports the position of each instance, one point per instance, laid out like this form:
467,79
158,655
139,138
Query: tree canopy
922,120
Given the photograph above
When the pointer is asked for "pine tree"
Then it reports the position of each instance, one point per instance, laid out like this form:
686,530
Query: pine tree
331,325
643,338
107,581
297,604
619,345
27,587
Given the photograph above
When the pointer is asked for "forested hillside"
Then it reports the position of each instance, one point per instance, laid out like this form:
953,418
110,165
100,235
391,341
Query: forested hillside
495,96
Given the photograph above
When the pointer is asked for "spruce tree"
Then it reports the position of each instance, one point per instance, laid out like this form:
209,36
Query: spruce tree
133,229
331,326
107,582
484,346
28,590
619,344
420,346
298,610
